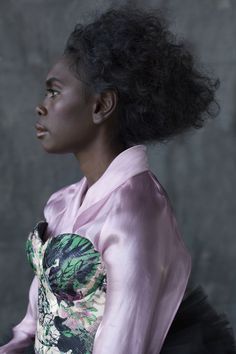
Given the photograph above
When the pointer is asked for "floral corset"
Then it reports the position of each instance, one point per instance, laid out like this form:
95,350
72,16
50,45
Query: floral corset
72,291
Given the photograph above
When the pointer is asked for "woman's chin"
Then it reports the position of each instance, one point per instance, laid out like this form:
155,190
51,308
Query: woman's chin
51,146
52,149
47,143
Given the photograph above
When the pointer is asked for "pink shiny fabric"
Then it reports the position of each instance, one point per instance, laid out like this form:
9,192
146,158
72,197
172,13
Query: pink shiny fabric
127,216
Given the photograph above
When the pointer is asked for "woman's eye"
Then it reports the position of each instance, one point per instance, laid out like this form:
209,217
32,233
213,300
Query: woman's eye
52,92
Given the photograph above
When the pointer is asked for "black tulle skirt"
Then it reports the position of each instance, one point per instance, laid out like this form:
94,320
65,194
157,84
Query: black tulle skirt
196,329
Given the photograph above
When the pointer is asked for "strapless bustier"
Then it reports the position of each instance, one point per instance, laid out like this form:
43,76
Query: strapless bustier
72,288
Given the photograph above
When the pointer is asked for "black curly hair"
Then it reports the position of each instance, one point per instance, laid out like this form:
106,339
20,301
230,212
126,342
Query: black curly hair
160,91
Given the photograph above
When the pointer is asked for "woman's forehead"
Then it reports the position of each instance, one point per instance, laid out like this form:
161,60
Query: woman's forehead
60,72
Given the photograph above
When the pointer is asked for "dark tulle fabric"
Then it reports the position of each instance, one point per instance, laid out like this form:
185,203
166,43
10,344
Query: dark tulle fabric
198,329
30,350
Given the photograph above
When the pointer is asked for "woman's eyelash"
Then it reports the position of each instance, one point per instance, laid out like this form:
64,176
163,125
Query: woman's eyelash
50,90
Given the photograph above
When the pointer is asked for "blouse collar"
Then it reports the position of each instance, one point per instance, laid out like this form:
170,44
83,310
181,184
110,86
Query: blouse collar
128,163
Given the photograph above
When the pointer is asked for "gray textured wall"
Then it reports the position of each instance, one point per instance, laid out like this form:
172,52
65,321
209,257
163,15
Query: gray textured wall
198,170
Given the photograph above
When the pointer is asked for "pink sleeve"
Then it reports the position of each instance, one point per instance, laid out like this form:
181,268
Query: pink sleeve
24,332
147,271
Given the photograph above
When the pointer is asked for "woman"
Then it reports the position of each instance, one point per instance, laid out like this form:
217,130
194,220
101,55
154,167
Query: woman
111,269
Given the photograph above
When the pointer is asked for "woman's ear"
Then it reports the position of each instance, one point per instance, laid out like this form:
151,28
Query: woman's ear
104,106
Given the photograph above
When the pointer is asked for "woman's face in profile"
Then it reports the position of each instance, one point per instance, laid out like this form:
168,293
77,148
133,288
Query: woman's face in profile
65,116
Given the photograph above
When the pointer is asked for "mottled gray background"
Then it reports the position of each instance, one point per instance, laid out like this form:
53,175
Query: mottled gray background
198,170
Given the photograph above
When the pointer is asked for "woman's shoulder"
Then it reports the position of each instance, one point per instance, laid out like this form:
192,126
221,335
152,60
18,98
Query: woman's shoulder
143,189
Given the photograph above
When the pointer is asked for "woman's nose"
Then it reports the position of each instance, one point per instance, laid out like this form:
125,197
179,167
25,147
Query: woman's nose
41,110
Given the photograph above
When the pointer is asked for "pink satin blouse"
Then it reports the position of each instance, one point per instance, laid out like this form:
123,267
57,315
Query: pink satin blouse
127,216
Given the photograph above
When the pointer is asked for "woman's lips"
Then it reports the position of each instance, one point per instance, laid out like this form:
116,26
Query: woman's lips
41,130
40,127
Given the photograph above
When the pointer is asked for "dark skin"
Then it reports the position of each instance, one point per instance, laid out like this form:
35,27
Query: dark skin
79,121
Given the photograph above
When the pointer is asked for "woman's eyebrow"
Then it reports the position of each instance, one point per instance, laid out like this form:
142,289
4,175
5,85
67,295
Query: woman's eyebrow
50,81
